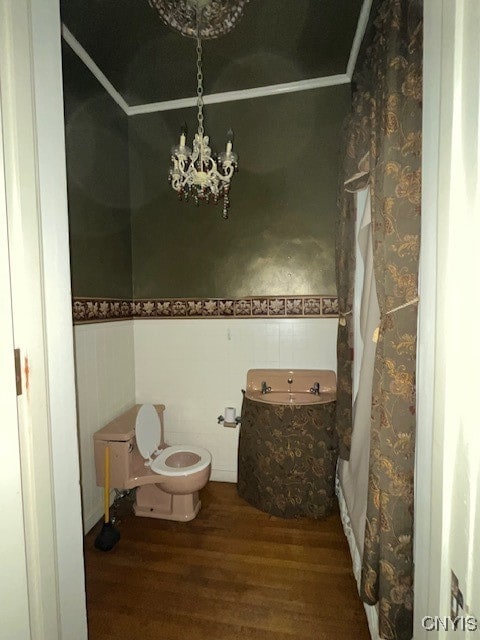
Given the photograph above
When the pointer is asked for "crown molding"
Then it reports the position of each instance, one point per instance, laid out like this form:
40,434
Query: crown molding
359,33
95,70
213,98
241,94
227,96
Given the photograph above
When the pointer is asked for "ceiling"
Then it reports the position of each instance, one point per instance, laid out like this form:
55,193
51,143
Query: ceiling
275,41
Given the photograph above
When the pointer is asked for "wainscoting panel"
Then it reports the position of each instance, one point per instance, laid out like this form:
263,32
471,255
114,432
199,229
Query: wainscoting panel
105,373
198,368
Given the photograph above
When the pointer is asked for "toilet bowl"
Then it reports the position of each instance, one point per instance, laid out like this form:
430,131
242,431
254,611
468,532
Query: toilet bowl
167,478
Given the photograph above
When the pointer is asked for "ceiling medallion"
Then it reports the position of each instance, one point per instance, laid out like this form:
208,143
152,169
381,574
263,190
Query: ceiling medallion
218,16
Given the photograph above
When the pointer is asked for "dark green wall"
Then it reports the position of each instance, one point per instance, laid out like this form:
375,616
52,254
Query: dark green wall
280,235
98,185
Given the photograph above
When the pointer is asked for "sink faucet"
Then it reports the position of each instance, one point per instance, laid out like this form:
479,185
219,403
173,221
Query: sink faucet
265,389
315,389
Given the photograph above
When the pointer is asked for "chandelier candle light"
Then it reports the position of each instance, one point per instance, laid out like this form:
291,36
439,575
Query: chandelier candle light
201,174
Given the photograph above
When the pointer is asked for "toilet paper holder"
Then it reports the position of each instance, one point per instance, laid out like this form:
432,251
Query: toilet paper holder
229,417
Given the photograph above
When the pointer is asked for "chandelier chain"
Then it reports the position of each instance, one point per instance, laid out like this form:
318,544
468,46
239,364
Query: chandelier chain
199,86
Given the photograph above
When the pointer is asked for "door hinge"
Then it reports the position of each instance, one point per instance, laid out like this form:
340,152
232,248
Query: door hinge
18,372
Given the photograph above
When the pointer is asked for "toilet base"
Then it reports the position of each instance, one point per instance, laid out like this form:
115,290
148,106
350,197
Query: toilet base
152,502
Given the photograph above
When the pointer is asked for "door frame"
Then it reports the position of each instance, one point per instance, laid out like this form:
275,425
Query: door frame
451,94
425,377
32,31
39,264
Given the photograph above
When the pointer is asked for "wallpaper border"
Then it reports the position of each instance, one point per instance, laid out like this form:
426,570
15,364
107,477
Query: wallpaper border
87,310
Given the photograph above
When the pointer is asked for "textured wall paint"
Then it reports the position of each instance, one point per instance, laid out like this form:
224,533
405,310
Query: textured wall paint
280,235
98,185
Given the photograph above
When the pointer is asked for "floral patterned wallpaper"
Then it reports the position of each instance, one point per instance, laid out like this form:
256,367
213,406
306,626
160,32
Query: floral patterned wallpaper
104,309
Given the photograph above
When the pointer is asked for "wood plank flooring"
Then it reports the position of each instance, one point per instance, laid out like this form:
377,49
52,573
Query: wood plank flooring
233,573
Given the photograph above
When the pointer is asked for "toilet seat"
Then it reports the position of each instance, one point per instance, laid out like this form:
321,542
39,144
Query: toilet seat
160,466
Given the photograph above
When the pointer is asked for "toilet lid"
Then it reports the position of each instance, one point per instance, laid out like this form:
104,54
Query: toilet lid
147,430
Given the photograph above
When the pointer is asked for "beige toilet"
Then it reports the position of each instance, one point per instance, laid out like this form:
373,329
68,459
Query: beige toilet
168,479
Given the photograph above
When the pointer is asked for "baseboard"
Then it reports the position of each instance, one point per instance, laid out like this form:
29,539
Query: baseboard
222,475
92,518
370,611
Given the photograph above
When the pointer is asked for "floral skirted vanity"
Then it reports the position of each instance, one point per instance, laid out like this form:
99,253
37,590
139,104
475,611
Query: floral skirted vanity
288,447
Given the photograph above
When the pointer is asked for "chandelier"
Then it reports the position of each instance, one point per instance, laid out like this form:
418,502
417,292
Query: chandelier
200,174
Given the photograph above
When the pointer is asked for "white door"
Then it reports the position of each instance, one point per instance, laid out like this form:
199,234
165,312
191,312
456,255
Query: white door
15,618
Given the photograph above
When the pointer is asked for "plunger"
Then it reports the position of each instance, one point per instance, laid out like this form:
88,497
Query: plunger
108,536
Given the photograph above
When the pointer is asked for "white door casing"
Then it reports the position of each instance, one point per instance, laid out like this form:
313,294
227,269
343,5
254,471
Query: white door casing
447,498
36,205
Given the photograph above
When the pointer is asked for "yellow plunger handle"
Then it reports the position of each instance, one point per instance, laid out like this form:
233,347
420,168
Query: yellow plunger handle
106,489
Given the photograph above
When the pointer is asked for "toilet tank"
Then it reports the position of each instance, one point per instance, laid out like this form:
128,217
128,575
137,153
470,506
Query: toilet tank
119,434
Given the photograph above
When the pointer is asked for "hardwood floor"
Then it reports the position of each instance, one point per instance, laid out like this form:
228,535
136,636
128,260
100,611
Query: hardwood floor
232,573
